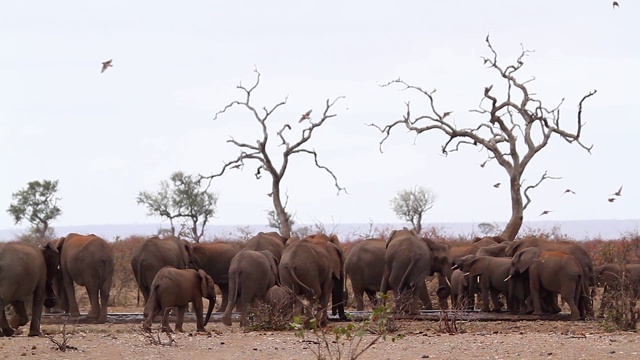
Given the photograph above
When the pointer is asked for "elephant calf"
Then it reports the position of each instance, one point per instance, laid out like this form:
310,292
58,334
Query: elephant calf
177,288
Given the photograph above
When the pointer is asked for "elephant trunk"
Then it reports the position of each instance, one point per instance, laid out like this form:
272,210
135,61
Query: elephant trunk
50,299
212,303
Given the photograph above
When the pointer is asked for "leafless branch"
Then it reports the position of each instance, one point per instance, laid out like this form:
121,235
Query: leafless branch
526,190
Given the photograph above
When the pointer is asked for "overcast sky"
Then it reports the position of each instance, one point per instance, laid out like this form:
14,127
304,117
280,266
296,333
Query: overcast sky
175,64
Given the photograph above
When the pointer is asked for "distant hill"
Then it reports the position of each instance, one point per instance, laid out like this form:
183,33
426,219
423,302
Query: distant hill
577,229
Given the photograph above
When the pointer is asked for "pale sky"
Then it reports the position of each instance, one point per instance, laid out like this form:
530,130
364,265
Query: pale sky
175,64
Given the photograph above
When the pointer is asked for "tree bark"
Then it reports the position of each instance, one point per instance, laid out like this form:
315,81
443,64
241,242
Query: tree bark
285,226
517,208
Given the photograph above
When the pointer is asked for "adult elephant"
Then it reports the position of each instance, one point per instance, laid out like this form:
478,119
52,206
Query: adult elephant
364,265
495,250
554,271
271,241
491,271
408,261
616,278
153,254
87,260
173,287
251,275
215,258
26,271
312,267
573,249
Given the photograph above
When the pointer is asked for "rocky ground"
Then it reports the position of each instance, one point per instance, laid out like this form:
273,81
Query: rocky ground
421,339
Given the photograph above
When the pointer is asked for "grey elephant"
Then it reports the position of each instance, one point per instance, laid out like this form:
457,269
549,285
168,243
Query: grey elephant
364,265
459,289
26,271
154,253
495,250
312,267
271,241
408,262
616,278
87,260
173,287
279,299
215,258
553,271
573,249
491,271
251,275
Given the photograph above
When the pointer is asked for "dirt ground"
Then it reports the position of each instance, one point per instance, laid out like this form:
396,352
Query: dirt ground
422,339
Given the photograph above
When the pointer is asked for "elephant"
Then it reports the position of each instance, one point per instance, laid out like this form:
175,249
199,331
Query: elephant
492,271
408,261
215,258
278,298
459,289
155,253
495,250
26,271
610,277
251,275
271,241
364,265
312,267
554,271
576,250
173,287
87,260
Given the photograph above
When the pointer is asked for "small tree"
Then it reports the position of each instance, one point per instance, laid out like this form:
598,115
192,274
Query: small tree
264,156
411,204
274,222
514,130
38,205
183,199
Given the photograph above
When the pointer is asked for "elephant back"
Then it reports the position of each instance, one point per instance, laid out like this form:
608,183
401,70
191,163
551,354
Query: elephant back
270,241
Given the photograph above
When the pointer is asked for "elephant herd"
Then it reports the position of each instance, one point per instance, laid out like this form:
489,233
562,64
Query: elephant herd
170,272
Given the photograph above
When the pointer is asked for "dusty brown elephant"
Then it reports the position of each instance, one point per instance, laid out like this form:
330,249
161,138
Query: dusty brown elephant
615,278
177,288
87,260
279,299
215,258
155,253
495,250
554,271
271,241
312,267
26,271
408,262
251,275
491,271
364,266
576,250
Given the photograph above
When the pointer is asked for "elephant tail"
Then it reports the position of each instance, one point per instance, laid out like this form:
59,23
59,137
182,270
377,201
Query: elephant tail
407,275
292,273
234,283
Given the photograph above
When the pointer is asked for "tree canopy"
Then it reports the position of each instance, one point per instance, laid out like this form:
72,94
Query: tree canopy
37,204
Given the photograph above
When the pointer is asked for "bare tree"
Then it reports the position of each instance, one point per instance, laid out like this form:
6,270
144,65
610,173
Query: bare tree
38,205
411,204
515,129
181,198
264,156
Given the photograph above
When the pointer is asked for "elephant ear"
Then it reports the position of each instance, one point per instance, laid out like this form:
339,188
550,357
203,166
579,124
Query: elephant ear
60,243
273,264
203,282
334,239
393,233
478,266
513,248
187,254
336,260
525,258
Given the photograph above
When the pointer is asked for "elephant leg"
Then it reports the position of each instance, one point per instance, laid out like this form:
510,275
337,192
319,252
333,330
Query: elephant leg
423,293
180,317
535,296
165,320
153,312
358,295
198,307
224,289
92,292
7,330
71,295
497,304
484,292
104,300
20,318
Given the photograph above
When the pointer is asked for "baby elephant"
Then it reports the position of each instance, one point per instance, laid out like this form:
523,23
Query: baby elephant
177,288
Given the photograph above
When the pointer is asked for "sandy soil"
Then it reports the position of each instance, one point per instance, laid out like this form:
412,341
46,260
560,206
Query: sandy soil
422,339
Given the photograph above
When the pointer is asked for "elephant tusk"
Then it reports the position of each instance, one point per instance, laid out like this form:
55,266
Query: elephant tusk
454,267
447,280
465,274
508,277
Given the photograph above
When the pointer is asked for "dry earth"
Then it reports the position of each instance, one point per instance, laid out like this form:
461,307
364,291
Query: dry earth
482,340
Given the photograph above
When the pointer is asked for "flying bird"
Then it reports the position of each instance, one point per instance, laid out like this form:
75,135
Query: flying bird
496,185
447,113
611,199
618,193
545,212
569,191
306,116
106,65
615,4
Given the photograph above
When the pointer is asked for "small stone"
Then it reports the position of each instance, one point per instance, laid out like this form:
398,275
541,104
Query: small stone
221,342
23,354
33,347
612,352
425,356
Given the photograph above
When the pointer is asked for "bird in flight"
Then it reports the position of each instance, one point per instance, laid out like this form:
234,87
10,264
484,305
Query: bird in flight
618,193
615,4
306,116
545,212
496,185
447,113
106,65
569,191
611,199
